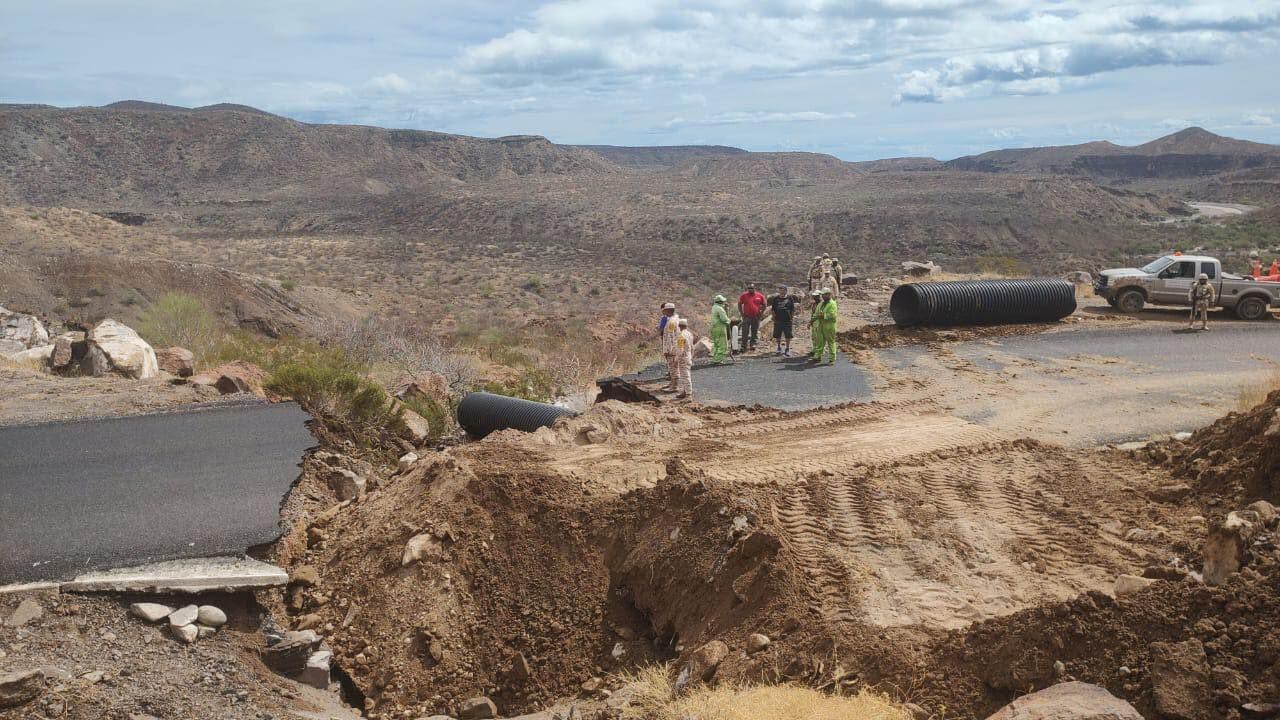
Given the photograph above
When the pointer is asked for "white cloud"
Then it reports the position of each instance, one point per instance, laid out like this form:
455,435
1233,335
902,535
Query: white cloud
1258,119
391,82
942,50
756,118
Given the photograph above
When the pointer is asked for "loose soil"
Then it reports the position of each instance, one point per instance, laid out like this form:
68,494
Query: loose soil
869,542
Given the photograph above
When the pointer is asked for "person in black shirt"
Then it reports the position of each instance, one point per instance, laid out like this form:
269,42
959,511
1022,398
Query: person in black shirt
783,308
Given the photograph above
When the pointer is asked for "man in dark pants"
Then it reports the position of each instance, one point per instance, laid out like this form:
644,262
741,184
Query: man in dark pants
751,305
783,308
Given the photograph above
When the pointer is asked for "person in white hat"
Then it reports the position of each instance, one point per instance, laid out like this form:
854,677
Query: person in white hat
684,361
669,331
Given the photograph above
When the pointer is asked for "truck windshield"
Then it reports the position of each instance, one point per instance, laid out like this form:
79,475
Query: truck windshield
1157,265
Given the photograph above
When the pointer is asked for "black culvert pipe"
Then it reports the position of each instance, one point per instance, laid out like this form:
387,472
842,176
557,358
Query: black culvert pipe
982,302
481,413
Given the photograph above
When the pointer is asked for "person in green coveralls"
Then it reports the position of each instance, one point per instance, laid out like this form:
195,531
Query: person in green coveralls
827,320
719,331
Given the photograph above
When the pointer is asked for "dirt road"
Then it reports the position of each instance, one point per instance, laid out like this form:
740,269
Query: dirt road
1089,386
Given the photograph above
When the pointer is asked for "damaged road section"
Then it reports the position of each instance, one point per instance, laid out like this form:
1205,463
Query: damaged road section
85,496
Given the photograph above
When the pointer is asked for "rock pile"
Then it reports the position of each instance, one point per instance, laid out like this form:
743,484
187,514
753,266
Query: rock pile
301,655
187,624
110,347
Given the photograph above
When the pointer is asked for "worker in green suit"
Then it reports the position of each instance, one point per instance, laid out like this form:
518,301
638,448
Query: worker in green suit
815,327
719,331
827,320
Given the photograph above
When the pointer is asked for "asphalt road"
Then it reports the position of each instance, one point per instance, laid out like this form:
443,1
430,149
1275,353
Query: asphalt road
1228,345
97,494
784,383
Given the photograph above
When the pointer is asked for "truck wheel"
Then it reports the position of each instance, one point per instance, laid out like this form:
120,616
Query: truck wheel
1130,301
1251,308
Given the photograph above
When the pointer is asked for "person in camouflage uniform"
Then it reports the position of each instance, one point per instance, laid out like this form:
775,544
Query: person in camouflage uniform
1201,297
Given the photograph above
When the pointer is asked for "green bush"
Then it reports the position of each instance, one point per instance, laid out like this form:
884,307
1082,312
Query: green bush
288,286
346,401
438,413
182,320
95,292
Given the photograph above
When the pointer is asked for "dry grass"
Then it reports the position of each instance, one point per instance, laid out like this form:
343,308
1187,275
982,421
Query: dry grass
655,701
1253,395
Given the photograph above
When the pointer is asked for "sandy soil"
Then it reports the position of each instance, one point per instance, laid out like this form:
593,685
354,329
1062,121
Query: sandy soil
33,397
103,663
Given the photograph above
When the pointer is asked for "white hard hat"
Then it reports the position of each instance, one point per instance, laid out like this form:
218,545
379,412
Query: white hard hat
669,306
682,322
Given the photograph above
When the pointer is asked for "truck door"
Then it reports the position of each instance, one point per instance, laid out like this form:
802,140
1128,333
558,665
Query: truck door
1175,282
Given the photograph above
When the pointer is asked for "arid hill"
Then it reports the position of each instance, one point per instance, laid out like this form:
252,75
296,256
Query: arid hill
473,232
658,157
1192,153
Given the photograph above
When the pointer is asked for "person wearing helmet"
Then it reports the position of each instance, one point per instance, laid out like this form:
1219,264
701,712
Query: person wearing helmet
815,273
1255,264
719,331
684,360
837,272
827,320
1201,296
669,331
815,326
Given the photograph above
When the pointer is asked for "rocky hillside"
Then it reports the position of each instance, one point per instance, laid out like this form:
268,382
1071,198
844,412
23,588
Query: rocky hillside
144,154
1190,153
658,157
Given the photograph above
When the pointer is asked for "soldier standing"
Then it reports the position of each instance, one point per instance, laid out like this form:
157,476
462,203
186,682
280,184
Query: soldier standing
1201,296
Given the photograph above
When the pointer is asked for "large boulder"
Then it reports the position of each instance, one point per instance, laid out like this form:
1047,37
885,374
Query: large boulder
234,377
36,358
919,269
68,348
19,331
176,361
126,352
1068,701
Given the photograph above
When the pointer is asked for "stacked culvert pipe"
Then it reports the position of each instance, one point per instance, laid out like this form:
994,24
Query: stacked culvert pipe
481,413
982,302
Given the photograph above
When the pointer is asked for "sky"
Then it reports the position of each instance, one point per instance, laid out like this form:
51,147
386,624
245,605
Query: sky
859,80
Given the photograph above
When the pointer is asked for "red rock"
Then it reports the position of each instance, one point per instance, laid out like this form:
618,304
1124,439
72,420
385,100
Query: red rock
176,361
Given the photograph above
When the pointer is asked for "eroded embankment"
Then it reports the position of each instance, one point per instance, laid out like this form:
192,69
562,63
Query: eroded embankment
856,538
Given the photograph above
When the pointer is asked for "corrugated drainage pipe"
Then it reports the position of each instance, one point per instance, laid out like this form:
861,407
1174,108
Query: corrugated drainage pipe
982,302
481,413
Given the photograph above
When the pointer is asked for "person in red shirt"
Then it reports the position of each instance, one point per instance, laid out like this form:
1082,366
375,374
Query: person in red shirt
751,305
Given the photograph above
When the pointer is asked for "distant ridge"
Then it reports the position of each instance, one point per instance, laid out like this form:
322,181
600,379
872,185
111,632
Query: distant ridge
658,157
1193,152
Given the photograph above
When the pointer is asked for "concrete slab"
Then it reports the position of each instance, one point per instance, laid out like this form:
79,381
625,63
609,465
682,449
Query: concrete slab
190,576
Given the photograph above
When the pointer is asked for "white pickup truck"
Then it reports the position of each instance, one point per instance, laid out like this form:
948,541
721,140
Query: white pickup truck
1167,281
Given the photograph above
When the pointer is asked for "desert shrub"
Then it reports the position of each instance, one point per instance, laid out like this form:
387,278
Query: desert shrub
347,402
180,319
438,412
95,291
531,384
288,285
1002,265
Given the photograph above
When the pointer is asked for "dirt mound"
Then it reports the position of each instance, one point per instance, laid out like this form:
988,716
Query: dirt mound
1236,458
611,422
874,337
853,537
1114,643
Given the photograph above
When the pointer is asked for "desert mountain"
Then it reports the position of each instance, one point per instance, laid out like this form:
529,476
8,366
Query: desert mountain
438,225
658,157
144,152
1190,153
